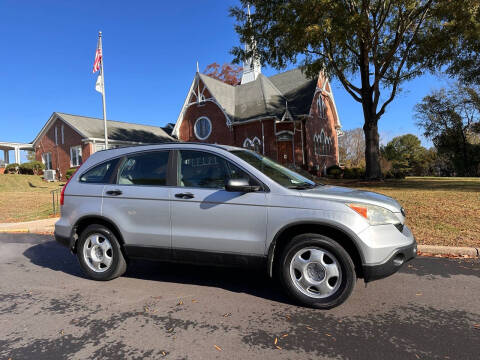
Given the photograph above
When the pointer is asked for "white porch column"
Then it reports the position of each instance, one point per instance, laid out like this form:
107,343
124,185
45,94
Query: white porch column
5,157
17,154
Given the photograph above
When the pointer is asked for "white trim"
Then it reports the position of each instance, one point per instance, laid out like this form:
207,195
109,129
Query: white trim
55,116
45,162
187,104
247,143
284,132
184,107
195,128
78,156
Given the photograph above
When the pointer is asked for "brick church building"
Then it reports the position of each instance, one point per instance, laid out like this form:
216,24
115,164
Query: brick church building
287,117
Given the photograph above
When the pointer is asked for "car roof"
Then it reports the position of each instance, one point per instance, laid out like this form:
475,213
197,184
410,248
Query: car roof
102,155
169,144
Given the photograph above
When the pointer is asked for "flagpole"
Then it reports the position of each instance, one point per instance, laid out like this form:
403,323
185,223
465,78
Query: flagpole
103,91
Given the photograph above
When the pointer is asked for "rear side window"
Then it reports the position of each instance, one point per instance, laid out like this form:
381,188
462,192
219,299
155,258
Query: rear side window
145,169
100,174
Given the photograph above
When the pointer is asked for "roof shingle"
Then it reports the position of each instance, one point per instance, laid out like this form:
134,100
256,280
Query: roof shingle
122,131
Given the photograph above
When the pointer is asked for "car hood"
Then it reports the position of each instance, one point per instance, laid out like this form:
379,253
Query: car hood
340,193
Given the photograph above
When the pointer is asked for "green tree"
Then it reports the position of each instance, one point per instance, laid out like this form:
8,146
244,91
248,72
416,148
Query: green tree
456,40
451,119
31,156
407,155
379,43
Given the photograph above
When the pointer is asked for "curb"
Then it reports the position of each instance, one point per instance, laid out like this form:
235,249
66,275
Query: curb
449,250
7,231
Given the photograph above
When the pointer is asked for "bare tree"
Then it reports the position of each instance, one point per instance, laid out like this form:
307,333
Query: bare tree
352,148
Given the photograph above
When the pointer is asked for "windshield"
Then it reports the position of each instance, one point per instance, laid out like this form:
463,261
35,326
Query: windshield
275,171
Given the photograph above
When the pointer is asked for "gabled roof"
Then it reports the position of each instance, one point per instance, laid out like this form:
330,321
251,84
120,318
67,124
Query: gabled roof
264,97
224,93
93,128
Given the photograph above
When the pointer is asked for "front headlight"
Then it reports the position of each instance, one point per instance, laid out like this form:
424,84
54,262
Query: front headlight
375,215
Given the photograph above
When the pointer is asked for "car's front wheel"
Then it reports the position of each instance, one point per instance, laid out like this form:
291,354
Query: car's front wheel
99,253
316,271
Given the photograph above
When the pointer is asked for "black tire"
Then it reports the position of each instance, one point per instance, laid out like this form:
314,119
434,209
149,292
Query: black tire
346,280
118,264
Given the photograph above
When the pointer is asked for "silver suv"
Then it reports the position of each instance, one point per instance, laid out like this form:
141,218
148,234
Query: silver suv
222,205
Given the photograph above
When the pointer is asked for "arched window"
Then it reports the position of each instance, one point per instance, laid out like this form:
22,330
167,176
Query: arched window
202,128
316,144
257,145
322,143
248,144
320,106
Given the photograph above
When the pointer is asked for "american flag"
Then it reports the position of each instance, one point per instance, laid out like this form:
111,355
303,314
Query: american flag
98,58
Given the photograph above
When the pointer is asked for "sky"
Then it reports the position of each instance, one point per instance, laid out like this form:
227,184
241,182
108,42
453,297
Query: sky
150,52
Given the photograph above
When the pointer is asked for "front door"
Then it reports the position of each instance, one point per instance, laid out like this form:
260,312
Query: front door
139,203
285,152
207,219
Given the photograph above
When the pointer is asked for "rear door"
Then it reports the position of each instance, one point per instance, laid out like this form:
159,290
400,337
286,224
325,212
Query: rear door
208,219
139,203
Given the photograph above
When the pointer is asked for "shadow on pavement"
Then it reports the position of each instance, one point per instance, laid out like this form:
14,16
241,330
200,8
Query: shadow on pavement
51,255
431,266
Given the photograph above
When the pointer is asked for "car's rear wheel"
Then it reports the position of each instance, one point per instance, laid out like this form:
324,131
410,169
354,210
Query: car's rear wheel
316,271
99,253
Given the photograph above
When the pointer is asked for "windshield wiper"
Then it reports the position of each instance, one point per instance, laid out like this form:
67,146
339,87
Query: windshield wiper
303,186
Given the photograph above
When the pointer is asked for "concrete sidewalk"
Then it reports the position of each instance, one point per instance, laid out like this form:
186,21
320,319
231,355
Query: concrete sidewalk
36,226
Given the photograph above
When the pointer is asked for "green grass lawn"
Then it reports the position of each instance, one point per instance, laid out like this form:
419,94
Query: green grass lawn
25,197
440,211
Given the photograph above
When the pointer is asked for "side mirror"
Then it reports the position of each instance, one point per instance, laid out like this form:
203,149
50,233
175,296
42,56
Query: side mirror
240,185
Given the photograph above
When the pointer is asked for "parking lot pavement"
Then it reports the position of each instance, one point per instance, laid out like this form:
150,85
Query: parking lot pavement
49,310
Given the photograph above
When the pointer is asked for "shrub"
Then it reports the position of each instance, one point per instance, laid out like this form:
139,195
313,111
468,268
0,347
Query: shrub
25,169
353,173
37,167
70,173
394,174
11,168
335,173
399,174
31,168
336,170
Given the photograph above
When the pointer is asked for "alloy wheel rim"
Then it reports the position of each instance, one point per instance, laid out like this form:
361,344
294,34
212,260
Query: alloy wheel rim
315,272
98,253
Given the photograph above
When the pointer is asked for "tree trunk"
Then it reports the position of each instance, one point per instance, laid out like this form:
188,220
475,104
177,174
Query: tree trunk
372,150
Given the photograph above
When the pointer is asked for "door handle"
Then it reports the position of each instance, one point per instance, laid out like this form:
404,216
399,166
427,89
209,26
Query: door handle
185,195
114,192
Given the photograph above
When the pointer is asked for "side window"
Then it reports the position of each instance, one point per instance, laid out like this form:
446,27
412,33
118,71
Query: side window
100,174
205,170
145,169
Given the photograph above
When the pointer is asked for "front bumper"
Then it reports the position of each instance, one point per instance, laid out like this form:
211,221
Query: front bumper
391,265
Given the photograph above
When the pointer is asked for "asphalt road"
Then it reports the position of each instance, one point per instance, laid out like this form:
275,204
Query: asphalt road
49,310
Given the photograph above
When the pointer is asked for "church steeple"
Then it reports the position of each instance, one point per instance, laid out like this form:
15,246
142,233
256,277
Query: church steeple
251,66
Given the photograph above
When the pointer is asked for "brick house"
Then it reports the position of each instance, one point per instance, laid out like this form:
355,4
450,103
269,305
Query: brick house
287,117
65,141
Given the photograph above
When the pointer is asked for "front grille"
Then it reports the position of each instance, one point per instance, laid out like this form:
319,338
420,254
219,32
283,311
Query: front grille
399,227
